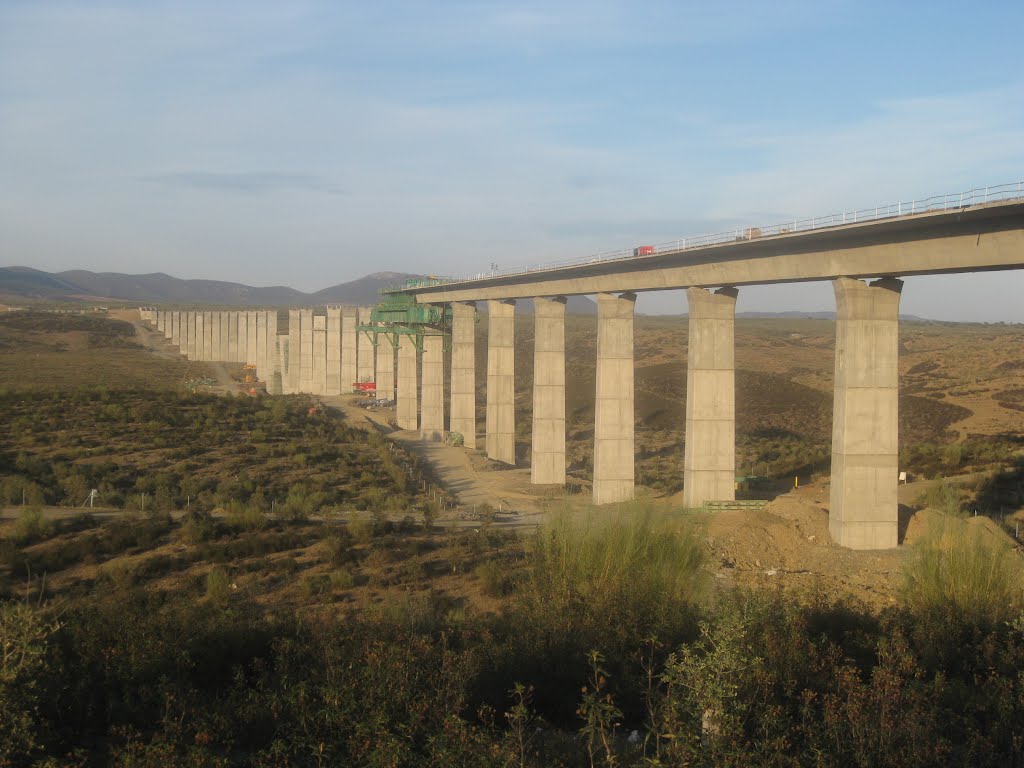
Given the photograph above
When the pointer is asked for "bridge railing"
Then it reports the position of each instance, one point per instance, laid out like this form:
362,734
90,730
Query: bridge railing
950,201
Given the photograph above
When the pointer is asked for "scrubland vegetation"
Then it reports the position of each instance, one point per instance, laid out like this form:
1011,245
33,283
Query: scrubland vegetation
288,598
606,645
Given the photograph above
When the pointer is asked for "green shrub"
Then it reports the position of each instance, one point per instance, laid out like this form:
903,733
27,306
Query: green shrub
316,585
198,527
32,526
24,634
218,586
627,566
121,574
246,517
342,579
493,579
963,570
362,528
943,496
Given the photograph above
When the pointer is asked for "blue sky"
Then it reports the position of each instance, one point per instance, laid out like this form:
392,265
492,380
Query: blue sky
307,143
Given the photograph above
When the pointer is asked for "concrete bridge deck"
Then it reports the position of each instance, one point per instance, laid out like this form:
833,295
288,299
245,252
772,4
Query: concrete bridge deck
971,239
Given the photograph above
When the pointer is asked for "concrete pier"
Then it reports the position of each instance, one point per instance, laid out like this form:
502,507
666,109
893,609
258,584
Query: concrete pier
333,376
364,362
547,463
261,345
500,439
176,329
432,407
200,350
349,345
407,394
291,379
319,363
385,367
270,342
208,340
463,386
216,352
224,335
865,421
243,337
190,335
709,462
613,415
233,337
306,351
251,338
280,374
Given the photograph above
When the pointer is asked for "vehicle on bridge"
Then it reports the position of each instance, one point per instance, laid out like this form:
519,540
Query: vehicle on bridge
643,250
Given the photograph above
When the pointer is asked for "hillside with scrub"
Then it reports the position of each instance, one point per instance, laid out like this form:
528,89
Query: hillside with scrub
266,582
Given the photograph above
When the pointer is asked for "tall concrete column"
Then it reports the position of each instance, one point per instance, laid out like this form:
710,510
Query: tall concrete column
270,344
333,383
291,381
306,350
232,337
176,329
261,345
500,440
215,349
251,338
385,366
275,385
190,335
319,364
432,407
243,337
463,386
865,417
709,462
408,397
349,345
613,414
225,335
364,362
208,340
547,464
200,336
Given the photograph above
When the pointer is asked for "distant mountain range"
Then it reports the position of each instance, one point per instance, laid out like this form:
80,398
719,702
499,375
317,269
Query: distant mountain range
24,284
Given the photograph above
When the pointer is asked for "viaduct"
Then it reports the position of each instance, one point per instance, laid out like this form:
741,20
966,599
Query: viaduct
863,254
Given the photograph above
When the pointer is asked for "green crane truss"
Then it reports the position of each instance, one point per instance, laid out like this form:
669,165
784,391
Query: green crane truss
398,314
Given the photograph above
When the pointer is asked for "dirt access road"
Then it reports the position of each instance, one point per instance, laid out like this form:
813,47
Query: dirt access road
158,345
466,473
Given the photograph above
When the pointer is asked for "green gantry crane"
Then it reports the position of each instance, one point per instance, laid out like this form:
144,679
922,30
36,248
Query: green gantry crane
397,314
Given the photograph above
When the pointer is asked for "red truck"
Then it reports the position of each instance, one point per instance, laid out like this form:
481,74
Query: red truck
643,250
